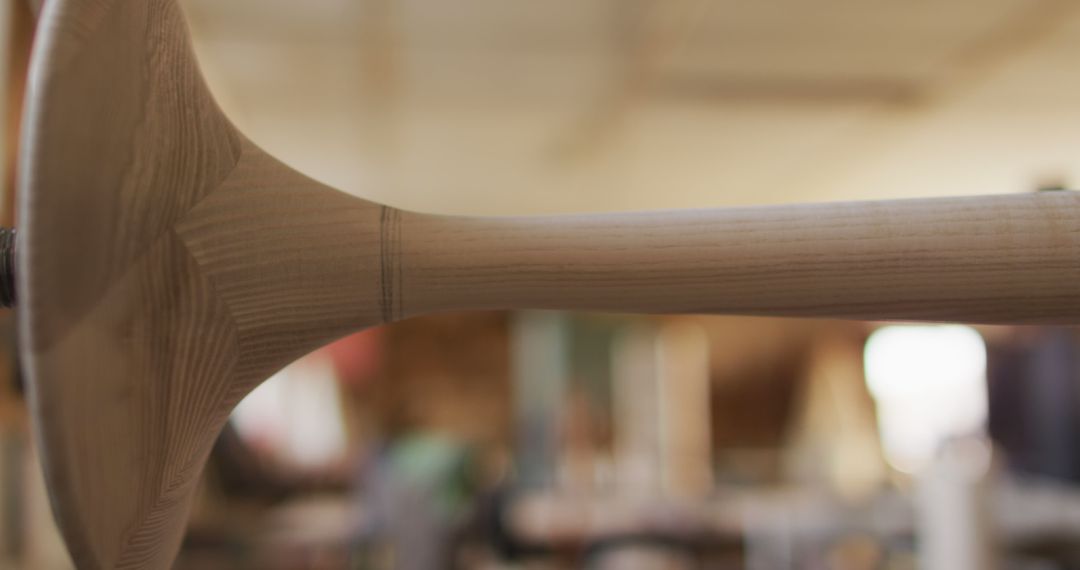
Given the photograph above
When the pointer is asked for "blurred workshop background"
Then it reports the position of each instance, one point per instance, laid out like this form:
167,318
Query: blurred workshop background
552,440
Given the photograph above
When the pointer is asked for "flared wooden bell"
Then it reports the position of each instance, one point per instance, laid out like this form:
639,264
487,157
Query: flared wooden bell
167,265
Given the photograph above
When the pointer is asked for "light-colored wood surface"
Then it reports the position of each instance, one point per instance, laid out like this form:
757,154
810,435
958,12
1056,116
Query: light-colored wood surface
168,266
989,259
127,348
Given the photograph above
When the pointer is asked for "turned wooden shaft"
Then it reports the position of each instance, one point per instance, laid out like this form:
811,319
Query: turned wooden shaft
979,259
167,266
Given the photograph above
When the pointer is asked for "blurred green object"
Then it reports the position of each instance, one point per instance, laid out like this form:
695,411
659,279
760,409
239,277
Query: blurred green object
441,465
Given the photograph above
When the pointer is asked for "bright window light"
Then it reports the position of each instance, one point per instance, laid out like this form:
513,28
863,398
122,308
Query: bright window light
929,384
296,415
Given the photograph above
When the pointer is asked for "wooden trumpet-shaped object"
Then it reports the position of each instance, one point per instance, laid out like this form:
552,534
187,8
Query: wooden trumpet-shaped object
167,266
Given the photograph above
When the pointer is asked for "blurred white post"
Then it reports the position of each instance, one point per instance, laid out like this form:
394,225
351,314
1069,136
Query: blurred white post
929,384
635,396
685,421
541,369
954,514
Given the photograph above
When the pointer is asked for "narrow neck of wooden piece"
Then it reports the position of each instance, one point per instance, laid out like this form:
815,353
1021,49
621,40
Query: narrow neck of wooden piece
984,259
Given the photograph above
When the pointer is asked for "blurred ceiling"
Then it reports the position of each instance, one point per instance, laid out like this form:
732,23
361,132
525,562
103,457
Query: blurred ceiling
512,106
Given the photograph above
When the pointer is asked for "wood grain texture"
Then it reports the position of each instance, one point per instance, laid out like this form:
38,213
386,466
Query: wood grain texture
1001,259
168,266
127,346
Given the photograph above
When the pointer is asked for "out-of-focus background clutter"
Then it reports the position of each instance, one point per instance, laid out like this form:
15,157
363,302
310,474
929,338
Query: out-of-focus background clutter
550,440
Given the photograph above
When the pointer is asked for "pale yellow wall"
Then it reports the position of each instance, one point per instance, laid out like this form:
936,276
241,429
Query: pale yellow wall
493,106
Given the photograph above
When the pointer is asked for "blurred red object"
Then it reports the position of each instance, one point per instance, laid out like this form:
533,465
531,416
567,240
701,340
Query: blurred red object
357,357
